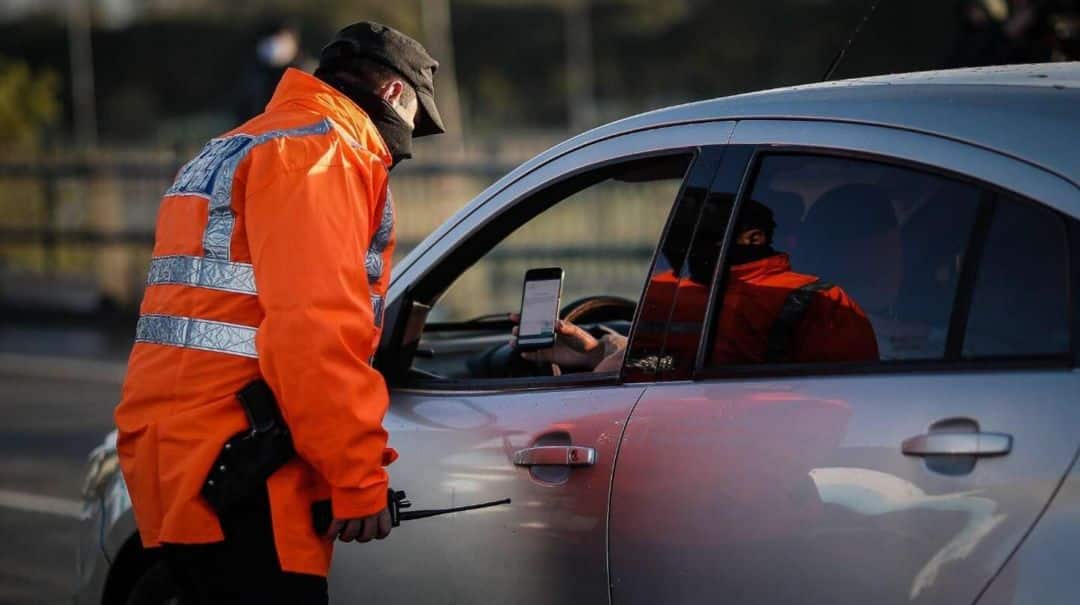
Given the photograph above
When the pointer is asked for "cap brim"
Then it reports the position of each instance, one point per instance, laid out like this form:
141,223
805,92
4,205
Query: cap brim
428,120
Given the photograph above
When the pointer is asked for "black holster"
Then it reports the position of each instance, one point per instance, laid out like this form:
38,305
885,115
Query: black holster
249,457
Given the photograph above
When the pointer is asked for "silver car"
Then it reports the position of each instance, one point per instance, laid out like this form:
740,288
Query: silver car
940,468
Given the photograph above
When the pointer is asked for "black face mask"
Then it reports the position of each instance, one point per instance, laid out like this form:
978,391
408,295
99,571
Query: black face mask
740,254
395,131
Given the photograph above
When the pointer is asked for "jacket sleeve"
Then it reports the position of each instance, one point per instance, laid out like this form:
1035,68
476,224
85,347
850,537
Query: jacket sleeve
308,231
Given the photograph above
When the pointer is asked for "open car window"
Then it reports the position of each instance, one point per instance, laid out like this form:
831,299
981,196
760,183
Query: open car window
600,227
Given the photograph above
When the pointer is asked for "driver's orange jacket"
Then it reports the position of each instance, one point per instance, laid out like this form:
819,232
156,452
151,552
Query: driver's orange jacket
271,258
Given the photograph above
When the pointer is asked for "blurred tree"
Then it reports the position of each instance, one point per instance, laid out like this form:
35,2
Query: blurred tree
29,103
521,65
331,14
649,16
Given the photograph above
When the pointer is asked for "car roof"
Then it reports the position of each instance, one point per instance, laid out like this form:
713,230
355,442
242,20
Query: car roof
1031,112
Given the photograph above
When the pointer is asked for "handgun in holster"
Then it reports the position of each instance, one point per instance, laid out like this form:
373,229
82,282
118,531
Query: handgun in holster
249,457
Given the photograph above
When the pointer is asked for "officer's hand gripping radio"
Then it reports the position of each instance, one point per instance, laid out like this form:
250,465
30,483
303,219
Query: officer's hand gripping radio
322,515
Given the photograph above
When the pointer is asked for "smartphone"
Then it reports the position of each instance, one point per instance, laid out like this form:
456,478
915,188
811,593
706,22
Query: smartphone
539,308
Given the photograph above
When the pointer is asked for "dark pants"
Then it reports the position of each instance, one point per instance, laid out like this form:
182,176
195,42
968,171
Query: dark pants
243,569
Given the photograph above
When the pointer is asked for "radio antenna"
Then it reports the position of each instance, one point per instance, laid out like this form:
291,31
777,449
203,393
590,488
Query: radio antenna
843,51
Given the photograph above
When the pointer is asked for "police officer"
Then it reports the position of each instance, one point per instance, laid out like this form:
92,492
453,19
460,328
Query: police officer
271,260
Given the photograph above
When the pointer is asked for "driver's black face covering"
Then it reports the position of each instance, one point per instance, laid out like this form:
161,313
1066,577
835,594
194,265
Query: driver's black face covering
395,131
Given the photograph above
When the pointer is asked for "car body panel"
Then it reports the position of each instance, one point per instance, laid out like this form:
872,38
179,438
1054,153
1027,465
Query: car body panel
91,566
795,490
549,546
107,524
1043,569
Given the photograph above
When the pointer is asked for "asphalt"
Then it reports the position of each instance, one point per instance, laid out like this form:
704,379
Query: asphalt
57,395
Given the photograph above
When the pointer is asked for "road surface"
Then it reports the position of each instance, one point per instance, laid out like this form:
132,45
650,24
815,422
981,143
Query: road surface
52,413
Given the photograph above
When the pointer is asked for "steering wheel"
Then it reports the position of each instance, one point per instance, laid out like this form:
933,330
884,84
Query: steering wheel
504,361
596,309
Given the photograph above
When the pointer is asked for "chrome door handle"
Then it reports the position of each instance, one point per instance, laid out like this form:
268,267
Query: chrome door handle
958,444
555,455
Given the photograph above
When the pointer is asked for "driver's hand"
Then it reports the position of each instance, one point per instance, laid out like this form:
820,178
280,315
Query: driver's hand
575,348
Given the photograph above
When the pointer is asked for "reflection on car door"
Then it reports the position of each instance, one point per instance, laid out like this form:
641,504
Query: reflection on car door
795,490
888,482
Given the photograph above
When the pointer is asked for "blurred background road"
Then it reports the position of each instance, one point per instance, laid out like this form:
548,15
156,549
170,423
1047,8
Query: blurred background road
54,411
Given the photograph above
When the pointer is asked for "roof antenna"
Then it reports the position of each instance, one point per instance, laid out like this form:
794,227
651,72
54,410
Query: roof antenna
843,51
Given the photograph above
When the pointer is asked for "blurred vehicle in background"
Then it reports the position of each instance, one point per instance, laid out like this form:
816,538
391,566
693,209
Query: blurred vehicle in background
943,472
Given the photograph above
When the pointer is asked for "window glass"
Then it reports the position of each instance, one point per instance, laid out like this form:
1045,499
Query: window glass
602,234
841,260
1019,305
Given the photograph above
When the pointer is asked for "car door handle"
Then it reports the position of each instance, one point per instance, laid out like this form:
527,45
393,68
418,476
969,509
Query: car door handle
958,444
555,455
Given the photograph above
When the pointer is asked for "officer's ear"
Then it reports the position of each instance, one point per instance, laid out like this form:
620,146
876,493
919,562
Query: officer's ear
392,90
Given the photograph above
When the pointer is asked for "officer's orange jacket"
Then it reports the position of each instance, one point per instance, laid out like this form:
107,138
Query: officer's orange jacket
833,329
271,259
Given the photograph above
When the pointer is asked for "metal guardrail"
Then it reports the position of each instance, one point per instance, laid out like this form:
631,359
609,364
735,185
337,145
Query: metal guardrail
49,173
127,170
56,237
114,202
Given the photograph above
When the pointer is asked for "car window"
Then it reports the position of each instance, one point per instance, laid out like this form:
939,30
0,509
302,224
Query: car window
840,260
1019,304
601,230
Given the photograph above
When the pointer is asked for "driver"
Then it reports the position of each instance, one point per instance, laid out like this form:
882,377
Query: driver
770,313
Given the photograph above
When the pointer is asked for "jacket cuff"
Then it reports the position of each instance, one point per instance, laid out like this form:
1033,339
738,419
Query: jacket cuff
356,503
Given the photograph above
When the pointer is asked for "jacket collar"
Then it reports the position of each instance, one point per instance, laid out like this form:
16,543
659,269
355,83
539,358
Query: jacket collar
301,89
770,265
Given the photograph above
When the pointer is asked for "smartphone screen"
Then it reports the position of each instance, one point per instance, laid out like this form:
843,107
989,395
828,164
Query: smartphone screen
539,308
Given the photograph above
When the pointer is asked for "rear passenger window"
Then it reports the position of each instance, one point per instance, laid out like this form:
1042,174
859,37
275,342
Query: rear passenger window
1019,303
842,260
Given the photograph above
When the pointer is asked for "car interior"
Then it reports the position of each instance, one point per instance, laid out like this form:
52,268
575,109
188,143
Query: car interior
601,227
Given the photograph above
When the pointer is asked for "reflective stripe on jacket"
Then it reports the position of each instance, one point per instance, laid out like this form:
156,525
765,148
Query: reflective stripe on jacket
271,258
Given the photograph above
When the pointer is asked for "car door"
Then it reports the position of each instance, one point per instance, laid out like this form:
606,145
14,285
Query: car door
908,476
468,433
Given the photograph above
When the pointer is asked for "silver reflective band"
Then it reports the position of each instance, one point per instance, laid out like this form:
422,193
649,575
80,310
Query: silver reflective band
210,175
202,334
202,272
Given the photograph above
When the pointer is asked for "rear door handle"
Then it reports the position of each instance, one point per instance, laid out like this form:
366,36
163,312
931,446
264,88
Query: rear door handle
958,444
555,455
